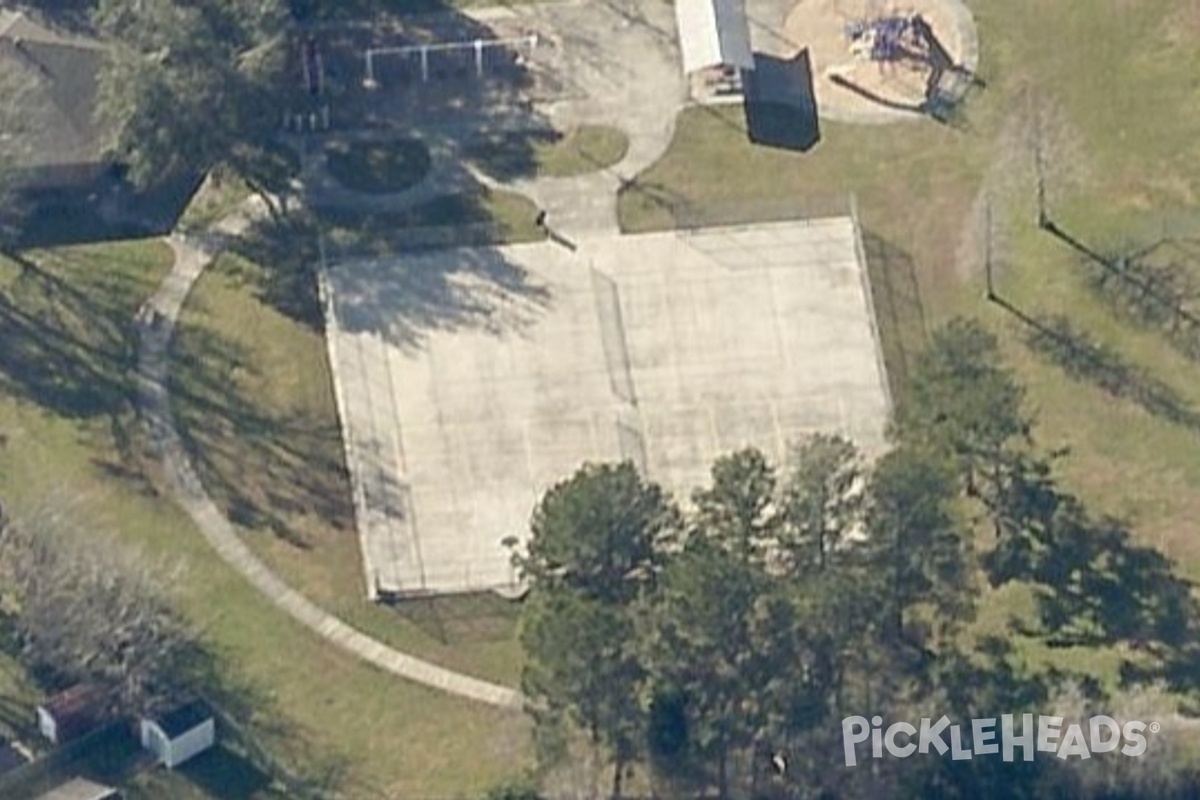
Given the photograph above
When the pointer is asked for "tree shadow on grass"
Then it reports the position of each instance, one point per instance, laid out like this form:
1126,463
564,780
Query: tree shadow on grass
1056,339
1093,584
509,155
462,618
1155,286
65,349
666,202
267,467
897,298
467,215
255,740
264,468
220,772
69,346
289,251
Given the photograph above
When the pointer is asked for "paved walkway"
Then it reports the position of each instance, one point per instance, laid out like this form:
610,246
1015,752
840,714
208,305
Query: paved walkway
643,105
621,60
157,321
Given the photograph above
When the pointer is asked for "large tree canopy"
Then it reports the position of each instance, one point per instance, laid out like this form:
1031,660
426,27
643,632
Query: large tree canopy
963,401
83,610
794,597
190,84
599,533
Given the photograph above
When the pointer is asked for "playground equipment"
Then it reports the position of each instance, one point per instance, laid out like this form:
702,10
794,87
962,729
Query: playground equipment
423,51
889,39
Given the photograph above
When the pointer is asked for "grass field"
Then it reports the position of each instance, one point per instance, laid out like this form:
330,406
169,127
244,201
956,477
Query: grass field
272,457
378,167
508,155
1113,77
71,444
1120,130
215,198
477,217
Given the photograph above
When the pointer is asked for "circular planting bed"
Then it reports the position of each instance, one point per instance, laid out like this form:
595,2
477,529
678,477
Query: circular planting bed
380,167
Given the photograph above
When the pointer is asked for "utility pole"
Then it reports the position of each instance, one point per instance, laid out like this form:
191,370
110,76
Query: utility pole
987,250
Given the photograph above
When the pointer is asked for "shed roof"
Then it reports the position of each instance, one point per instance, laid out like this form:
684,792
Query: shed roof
180,720
713,33
80,699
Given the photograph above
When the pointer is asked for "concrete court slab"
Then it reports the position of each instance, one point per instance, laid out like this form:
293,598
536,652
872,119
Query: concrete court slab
667,348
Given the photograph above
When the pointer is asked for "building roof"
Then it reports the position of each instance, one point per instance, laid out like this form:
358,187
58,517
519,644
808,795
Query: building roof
78,789
180,720
48,81
76,710
713,33
82,697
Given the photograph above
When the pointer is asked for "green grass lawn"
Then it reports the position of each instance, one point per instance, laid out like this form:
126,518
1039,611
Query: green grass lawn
254,395
222,190
378,167
344,10
477,217
216,197
70,443
506,155
18,698
1125,167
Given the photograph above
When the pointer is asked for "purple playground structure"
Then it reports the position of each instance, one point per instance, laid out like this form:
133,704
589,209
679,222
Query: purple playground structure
888,38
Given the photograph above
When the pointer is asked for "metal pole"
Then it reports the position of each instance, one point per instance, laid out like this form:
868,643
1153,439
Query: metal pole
478,58
424,64
307,69
1040,168
987,250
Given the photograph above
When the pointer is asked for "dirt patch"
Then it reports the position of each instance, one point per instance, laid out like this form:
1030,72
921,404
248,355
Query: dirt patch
850,86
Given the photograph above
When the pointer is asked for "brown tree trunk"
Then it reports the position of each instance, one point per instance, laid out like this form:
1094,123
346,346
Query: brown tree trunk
723,773
618,776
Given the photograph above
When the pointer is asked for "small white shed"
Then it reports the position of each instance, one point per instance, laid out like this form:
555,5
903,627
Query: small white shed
178,735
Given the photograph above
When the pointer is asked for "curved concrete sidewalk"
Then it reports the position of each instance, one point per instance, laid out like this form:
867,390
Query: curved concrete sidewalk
156,323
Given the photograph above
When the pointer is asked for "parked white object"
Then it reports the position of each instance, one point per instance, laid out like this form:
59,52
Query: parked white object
180,734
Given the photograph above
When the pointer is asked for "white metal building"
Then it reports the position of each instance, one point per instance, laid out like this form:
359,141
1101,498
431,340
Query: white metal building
180,734
714,38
